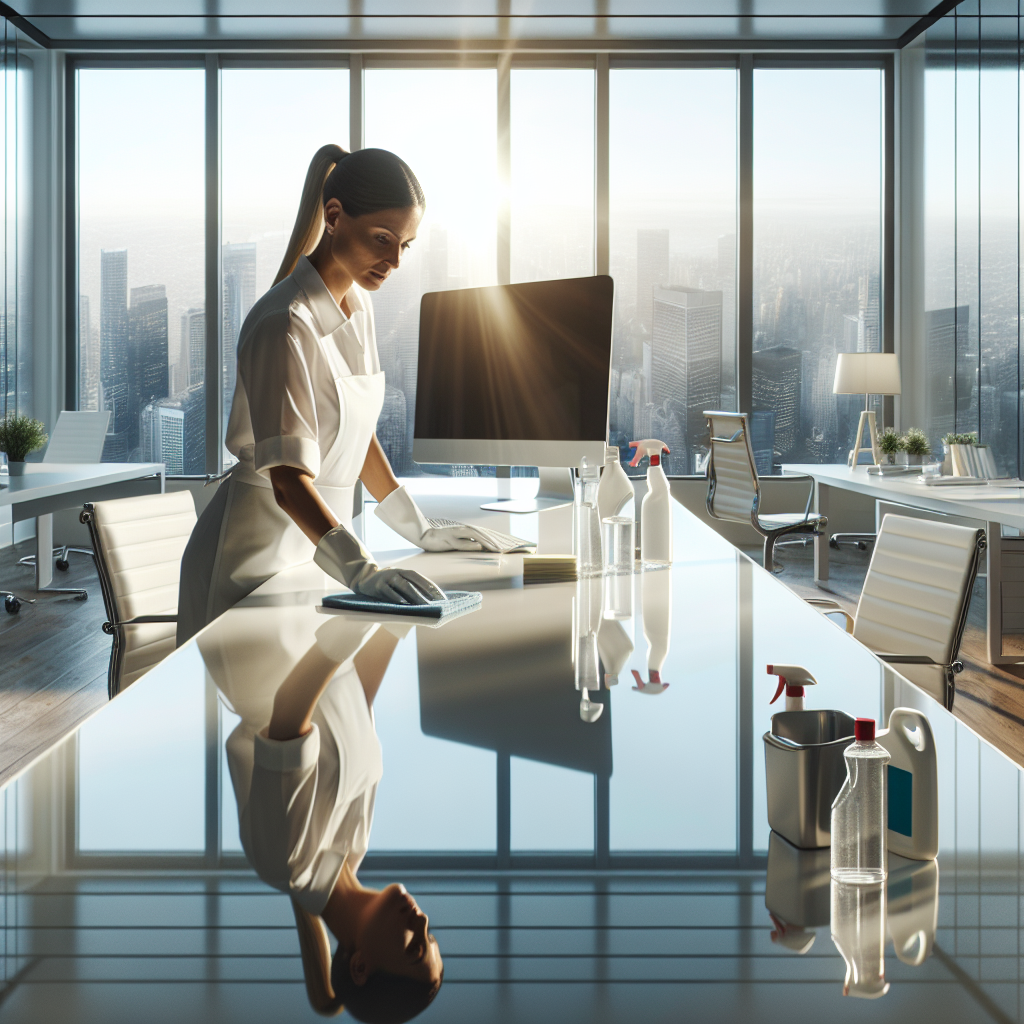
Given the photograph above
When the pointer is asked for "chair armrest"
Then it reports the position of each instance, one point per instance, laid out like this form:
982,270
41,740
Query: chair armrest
906,659
139,620
829,607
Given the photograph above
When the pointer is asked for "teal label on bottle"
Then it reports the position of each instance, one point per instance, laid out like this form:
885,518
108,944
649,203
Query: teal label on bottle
901,801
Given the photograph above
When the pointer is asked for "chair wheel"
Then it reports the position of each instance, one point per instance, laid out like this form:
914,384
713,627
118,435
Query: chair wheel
833,543
63,564
861,546
12,605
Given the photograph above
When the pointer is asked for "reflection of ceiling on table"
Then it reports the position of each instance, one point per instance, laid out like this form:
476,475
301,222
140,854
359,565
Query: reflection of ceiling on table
502,679
554,23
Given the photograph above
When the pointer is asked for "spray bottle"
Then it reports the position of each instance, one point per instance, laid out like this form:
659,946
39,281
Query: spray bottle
656,509
792,679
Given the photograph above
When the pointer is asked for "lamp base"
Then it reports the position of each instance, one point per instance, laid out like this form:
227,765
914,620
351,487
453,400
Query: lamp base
868,416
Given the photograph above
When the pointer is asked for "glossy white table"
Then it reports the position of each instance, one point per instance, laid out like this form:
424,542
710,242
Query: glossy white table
48,487
992,506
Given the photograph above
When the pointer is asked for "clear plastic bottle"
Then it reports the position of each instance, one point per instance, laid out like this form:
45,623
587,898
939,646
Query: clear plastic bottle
859,813
589,558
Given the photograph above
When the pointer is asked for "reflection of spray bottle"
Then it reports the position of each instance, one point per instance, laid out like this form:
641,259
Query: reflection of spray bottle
792,679
657,613
858,930
586,622
656,508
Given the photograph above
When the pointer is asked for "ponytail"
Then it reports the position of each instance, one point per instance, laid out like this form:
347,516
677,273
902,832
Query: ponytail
309,222
366,181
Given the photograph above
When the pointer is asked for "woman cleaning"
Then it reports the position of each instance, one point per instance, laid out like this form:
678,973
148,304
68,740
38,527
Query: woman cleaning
308,393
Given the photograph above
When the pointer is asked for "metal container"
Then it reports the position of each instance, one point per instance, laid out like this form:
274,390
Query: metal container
804,770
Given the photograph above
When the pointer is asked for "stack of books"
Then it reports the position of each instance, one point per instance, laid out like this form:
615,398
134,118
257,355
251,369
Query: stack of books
549,569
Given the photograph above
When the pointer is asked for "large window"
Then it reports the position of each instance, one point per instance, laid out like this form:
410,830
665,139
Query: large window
673,255
140,261
817,255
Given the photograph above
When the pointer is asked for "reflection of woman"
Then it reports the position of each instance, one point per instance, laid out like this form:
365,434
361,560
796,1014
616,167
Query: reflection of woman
308,393
305,786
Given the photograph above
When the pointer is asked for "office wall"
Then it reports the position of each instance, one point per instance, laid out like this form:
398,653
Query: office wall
960,217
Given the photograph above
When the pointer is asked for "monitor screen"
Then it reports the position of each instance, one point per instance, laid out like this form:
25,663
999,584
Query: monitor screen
527,362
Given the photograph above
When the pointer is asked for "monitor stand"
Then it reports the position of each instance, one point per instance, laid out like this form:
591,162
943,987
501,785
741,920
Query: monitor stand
555,491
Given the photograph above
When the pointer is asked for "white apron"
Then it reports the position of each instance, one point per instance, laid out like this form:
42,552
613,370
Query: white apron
243,537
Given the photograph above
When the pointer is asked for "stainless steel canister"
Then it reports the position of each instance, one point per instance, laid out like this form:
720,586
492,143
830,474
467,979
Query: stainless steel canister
804,771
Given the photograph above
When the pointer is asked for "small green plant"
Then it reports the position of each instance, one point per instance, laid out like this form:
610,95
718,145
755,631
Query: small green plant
890,442
20,435
915,442
971,438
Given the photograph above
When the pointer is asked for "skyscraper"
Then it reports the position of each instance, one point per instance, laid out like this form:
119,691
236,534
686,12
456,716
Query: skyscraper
193,335
945,335
869,334
727,284
161,429
391,430
89,358
114,355
239,269
147,347
193,407
686,364
776,387
651,273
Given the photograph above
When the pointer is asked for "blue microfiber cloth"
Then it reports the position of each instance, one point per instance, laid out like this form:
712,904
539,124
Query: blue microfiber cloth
455,602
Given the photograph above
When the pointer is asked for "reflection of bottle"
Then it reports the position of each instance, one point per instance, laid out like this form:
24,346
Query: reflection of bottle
657,614
858,930
586,622
615,646
859,819
656,508
796,893
912,907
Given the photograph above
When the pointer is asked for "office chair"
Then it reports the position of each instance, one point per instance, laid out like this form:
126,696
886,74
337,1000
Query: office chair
78,437
139,543
734,491
913,606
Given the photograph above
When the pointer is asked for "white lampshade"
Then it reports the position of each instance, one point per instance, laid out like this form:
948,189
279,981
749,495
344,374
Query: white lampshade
867,373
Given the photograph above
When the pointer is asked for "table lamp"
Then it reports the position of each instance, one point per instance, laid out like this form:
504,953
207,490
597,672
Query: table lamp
866,373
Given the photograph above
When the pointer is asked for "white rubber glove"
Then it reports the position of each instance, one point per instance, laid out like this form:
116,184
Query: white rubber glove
341,556
402,514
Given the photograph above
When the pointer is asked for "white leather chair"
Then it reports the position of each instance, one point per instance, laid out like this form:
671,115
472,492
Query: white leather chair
734,492
913,608
77,437
139,543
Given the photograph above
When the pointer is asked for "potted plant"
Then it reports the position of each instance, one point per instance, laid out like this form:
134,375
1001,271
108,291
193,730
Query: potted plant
915,447
959,453
890,444
19,436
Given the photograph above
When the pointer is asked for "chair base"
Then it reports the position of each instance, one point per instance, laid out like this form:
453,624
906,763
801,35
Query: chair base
13,603
860,539
62,556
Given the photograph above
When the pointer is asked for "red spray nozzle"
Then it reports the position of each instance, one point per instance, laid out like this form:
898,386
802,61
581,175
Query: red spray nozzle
649,447
792,679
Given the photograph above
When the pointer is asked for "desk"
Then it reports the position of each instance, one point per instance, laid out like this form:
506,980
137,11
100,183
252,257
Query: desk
572,872
48,487
1004,600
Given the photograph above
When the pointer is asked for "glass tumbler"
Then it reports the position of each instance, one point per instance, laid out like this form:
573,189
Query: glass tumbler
618,544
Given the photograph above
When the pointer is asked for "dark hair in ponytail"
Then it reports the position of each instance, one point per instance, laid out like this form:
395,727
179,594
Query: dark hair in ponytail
363,182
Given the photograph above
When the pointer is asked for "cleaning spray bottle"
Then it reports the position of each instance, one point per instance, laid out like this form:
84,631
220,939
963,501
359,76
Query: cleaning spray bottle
615,492
656,509
792,679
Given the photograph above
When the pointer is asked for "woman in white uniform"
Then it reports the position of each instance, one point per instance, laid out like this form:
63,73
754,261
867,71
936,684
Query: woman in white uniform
308,393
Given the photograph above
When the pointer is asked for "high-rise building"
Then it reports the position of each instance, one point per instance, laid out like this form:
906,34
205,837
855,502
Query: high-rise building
762,439
686,364
147,348
239,270
869,333
652,269
776,387
851,331
89,358
391,428
162,434
114,355
945,334
193,339
727,285
193,407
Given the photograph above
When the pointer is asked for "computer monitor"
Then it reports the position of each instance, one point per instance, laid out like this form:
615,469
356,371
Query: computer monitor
516,375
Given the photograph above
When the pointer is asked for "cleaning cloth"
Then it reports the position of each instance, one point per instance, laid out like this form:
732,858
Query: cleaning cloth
455,602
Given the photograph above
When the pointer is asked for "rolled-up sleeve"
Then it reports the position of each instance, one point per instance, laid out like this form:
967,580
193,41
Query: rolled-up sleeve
277,372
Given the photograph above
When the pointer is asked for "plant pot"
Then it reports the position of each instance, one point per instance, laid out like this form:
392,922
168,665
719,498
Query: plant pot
889,458
911,459
15,468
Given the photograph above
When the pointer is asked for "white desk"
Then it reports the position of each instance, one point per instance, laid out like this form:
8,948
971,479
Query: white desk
48,487
993,506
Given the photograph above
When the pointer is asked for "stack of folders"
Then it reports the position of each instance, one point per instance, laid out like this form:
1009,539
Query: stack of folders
549,569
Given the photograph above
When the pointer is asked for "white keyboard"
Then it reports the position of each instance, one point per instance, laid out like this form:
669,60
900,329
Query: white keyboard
505,542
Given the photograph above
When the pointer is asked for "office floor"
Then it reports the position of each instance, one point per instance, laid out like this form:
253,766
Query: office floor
54,657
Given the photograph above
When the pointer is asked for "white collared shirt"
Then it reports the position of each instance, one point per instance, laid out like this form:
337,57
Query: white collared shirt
293,345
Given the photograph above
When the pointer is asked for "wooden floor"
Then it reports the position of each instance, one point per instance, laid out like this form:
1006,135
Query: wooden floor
53,659
989,699
53,656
